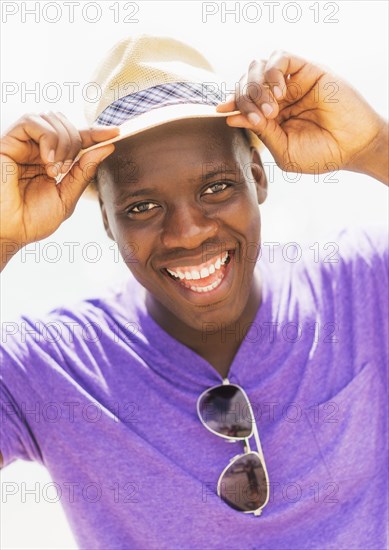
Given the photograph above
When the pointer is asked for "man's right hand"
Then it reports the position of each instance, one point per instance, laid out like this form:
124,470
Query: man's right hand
35,150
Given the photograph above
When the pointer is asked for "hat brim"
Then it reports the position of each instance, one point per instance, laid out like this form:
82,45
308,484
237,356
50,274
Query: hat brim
163,115
160,116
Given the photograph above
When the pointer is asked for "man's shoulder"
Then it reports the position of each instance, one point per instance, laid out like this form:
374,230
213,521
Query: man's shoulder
355,246
343,262
90,319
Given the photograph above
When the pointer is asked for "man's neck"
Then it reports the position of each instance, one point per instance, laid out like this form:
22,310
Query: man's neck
220,347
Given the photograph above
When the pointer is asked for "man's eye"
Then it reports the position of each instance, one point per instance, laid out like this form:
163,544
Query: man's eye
142,207
216,188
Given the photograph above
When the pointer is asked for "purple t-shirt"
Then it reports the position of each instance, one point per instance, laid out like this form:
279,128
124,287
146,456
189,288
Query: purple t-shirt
105,399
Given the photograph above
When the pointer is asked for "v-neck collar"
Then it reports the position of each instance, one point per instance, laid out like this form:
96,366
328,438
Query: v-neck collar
177,362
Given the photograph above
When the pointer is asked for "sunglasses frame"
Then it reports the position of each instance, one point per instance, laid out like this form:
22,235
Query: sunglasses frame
247,448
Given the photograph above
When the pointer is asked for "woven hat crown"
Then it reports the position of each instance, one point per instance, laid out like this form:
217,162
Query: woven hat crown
144,61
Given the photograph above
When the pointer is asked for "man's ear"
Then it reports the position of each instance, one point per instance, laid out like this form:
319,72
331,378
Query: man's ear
258,174
105,219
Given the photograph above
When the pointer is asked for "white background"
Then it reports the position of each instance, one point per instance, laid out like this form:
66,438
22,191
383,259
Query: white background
39,52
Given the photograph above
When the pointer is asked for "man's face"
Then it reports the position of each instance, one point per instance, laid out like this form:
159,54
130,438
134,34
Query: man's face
184,197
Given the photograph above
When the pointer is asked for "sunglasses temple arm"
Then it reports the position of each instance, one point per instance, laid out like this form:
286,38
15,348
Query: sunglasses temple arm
258,443
256,436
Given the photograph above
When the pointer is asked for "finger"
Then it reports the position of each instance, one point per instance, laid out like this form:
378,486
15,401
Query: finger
279,66
274,138
269,132
94,137
239,121
254,98
245,101
275,78
260,91
64,141
263,129
228,105
76,181
285,63
96,134
288,70
75,141
31,140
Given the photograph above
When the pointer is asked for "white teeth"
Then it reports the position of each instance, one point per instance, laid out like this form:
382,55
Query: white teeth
207,288
204,272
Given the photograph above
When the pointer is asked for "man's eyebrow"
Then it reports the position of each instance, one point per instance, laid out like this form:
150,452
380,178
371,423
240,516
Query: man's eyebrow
130,194
216,172
133,193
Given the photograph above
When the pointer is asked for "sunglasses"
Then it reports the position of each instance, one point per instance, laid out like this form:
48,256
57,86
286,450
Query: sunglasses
225,411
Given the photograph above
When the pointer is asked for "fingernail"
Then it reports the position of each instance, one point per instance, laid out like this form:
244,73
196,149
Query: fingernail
55,169
254,118
52,170
277,92
266,109
51,155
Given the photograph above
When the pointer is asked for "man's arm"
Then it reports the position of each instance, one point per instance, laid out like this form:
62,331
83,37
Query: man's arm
311,120
374,161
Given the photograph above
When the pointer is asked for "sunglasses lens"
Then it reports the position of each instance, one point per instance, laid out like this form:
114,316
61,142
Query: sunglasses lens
243,485
225,410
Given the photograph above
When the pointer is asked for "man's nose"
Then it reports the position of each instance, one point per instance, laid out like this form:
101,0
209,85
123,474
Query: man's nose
187,227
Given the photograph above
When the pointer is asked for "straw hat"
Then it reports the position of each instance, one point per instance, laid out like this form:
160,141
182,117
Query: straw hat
145,81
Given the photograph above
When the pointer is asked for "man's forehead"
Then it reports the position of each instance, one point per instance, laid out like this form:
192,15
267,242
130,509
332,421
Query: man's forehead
194,152
129,169
178,140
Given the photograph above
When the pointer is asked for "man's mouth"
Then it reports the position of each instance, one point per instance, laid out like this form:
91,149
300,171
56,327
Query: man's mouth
204,277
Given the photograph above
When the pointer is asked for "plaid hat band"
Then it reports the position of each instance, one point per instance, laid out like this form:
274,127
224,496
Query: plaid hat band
162,95
147,81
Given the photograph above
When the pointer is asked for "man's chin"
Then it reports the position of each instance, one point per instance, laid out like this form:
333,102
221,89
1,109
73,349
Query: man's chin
213,316
190,309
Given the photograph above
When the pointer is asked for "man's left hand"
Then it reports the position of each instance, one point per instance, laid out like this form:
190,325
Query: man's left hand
313,123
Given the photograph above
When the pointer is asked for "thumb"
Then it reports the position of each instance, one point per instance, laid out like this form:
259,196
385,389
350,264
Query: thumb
269,132
228,105
83,171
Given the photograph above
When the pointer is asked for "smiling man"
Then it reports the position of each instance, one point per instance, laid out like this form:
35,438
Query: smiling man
195,350
193,219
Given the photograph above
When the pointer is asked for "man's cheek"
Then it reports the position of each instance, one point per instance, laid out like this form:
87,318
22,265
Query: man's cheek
130,252
252,232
